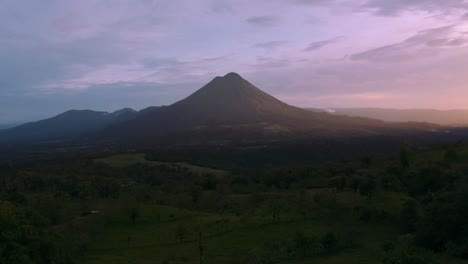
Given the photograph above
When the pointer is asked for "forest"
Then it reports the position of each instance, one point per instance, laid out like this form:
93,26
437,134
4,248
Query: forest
160,207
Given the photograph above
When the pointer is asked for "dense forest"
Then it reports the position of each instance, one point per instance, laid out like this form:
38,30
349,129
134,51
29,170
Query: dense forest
157,207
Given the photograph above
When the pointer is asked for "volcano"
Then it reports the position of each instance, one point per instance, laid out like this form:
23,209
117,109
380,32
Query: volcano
230,107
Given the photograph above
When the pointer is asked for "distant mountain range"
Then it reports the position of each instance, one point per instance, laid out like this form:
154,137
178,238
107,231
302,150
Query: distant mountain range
442,117
5,126
66,126
227,108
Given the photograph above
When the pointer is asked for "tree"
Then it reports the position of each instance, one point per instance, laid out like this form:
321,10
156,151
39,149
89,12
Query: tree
337,183
408,256
355,183
302,244
367,187
410,215
200,247
404,155
366,161
444,220
24,240
181,233
388,247
134,214
329,241
276,204
451,155
195,194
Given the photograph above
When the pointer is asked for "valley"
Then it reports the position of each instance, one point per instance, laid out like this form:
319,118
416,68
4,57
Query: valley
234,132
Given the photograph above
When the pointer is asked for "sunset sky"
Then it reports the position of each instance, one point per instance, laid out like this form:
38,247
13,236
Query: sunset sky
57,55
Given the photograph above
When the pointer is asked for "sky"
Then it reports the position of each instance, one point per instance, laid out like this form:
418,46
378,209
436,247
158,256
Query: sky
57,55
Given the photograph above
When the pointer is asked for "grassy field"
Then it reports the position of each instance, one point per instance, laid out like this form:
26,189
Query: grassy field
154,240
153,237
125,160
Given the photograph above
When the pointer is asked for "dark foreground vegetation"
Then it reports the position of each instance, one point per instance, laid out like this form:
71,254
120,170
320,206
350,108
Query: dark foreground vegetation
157,207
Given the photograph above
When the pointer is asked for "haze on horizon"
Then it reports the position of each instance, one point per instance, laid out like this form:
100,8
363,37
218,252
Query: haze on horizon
105,55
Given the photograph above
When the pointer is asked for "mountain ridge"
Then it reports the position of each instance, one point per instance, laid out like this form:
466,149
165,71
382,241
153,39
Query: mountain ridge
228,108
64,126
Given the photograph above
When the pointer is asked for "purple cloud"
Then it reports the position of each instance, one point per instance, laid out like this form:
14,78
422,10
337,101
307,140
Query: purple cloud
320,44
264,21
270,45
420,45
395,7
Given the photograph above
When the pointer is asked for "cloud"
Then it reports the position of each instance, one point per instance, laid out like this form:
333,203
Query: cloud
447,42
67,24
312,20
148,70
396,7
271,62
221,7
176,69
313,2
270,45
390,53
424,43
32,62
154,63
320,44
391,7
263,21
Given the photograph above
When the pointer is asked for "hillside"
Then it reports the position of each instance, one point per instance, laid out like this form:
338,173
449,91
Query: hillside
68,125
